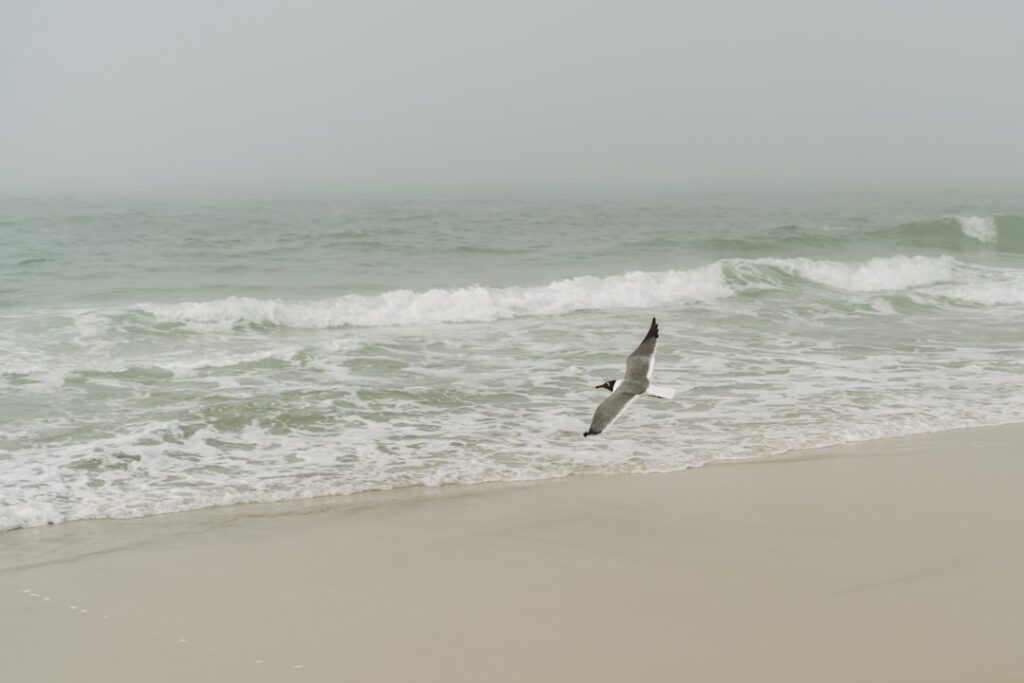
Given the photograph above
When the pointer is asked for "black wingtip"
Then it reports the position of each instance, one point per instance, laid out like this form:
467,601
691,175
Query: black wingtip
653,331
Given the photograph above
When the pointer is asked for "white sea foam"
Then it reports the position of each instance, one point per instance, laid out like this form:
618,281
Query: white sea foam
513,411
1007,293
486,304
877,275
166,421
467,304
981,228
110,408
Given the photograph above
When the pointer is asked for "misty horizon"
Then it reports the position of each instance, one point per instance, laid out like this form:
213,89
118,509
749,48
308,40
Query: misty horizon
119,97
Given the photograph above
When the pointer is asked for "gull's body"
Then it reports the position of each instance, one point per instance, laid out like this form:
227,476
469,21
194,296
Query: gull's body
636,383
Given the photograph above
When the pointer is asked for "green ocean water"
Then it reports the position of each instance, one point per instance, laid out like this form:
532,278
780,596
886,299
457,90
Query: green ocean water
166,354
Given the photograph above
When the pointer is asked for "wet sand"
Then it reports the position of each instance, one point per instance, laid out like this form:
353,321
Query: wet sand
896,560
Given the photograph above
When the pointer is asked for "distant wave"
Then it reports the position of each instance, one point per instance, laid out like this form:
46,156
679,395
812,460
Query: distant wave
719,280
981,228
949,233
962,233
879,274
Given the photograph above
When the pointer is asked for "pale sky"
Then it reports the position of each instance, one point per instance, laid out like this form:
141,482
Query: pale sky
111,96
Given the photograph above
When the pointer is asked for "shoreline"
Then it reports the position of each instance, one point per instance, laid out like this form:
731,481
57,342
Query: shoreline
385,496
882,560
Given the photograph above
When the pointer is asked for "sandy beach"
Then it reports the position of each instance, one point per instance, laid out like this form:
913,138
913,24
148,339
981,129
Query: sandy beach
307,308
895,560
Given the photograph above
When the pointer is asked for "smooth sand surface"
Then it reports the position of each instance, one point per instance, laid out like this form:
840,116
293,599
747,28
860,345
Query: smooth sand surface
898,560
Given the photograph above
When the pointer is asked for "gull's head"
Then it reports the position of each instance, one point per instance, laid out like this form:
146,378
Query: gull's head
609,385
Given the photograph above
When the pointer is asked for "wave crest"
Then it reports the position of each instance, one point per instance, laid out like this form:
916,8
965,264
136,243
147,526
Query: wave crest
877,275
718,280
1003,233
981,228
466,304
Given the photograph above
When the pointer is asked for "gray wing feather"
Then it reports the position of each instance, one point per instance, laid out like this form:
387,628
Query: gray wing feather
641,362
608,410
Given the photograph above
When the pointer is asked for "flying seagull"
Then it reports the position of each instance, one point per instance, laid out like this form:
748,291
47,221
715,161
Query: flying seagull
637,382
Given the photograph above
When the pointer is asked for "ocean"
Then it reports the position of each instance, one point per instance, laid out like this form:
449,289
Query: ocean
173,354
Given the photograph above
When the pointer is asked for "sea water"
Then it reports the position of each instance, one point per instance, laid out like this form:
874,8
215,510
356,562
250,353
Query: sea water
165,355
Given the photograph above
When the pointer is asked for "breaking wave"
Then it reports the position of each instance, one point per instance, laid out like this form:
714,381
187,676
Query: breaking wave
719,280
131,386
962,233
968,233
981,228
879,274
466,304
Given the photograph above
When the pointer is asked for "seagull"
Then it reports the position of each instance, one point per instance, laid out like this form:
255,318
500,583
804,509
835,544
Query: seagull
637,382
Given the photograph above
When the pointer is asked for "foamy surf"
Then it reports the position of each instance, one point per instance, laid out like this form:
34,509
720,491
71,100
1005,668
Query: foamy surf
715,281
252,365
895,273
467,304
981,228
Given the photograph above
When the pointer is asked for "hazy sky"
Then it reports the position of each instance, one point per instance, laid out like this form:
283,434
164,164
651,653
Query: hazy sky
378,94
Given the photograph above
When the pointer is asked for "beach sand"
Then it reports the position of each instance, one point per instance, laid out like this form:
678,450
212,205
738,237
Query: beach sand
896,560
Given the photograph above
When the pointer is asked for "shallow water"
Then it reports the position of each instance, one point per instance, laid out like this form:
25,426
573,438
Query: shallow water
168,355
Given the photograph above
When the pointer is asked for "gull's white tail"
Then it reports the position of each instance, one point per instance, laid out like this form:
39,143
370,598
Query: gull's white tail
661,392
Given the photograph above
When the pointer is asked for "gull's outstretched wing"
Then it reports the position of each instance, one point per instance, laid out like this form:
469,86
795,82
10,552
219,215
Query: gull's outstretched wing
609,410
640,364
